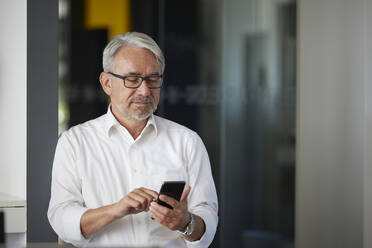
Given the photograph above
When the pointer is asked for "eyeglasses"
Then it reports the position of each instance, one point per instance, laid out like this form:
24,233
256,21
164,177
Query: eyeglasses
132,82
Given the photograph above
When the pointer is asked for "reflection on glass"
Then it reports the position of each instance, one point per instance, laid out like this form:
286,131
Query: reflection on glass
230,76
258,124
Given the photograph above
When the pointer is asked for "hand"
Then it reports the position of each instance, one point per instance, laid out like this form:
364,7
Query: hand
135,202
175,219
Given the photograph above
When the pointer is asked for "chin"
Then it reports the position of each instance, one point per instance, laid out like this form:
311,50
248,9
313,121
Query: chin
141,117
143,113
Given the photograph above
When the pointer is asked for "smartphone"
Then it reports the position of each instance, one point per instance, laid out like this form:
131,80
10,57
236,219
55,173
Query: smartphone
172,189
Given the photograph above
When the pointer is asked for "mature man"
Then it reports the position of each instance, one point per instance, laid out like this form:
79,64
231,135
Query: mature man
107,171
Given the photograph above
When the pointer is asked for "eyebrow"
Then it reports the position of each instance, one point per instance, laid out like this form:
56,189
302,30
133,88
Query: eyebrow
134,74
139,74
155,74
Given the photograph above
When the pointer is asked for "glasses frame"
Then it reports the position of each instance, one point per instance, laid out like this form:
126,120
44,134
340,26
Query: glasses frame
142,79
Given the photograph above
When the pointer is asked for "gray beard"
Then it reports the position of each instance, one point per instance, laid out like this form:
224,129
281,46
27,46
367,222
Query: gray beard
139,117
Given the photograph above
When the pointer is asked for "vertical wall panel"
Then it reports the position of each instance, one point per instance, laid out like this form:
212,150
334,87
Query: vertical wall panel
368,123
13,88
42,113
330,121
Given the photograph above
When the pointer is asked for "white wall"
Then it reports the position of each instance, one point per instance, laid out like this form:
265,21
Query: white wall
367,123
333,124
13,40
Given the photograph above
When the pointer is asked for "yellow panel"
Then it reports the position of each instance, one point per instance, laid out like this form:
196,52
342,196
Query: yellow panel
111,14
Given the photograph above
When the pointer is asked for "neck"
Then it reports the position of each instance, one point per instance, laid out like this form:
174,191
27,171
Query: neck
134,127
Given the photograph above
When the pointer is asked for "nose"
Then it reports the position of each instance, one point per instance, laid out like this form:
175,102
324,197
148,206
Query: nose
144,89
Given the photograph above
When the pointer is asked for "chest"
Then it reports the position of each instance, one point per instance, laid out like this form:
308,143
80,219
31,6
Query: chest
110,169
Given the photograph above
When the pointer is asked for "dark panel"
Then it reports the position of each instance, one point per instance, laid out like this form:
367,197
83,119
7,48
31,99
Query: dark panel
145,17
2,231
42,113
179,38
86,98
182,53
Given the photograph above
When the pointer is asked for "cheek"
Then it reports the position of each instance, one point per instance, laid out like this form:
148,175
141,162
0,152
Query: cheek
118,96
156,96
115,96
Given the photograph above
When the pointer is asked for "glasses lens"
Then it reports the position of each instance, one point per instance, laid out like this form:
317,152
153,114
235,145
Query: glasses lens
132,81
135,81
154,81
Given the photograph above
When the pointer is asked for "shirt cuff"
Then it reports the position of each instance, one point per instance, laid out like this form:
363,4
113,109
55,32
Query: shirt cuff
210,221
71,224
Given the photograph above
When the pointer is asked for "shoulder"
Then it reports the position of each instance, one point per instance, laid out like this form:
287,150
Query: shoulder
180,136
84,130
177,132
171,127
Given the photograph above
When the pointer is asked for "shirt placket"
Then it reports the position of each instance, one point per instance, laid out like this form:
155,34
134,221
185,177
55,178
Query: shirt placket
137,176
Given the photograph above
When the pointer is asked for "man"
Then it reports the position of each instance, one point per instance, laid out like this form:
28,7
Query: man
107,171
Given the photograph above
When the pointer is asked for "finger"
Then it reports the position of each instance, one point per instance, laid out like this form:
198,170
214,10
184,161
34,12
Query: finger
137,201
156,216
185,193
161,209
153,209
153,193
161,218
146,196
171,201
133,203
149,194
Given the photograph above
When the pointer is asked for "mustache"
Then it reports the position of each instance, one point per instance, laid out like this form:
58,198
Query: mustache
142,99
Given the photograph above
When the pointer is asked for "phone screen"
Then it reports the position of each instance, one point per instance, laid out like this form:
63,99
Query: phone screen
172,189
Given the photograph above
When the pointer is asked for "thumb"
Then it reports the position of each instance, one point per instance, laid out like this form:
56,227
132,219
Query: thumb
185,193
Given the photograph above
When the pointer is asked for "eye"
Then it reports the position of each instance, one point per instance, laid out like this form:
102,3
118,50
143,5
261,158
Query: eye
132,79
154,79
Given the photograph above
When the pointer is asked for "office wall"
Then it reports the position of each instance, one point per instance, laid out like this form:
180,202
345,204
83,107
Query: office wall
13,88
367,46
334,91
42,114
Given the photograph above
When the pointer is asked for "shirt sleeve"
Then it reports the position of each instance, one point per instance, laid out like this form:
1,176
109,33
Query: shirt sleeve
66,204
202,200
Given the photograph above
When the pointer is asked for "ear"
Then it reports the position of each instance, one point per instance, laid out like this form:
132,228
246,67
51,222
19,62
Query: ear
106,83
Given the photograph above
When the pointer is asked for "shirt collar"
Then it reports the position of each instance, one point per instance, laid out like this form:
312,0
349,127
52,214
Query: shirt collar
111,122
152,122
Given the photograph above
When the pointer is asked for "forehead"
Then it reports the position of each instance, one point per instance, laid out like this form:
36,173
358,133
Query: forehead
135,59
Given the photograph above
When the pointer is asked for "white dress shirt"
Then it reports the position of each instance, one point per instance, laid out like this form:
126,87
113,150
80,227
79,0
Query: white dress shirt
98,162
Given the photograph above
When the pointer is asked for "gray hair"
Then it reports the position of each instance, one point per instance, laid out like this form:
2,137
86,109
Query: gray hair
136,39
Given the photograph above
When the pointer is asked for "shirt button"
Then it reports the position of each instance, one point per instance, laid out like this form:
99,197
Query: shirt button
134,171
